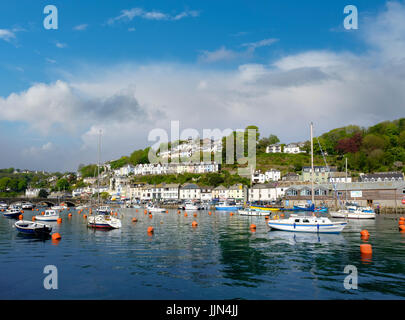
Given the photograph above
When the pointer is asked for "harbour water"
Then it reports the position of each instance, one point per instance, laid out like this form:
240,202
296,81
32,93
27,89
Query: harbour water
221,258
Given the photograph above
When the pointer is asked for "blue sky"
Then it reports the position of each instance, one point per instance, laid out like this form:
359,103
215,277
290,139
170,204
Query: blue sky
130,66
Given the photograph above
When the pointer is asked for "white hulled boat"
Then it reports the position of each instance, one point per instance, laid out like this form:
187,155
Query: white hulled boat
312,223
49,215
308,224
189,205
253,212
103,219
154,208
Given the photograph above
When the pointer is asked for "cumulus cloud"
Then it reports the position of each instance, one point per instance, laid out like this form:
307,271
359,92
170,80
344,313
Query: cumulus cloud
60,45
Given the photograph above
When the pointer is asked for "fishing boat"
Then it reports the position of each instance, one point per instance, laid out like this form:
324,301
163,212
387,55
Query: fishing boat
312,223
3,206
252,212
12,213
189,205
49,215
262,208
33,228
224,206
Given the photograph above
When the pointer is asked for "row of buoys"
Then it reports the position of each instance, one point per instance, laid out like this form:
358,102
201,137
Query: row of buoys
401,224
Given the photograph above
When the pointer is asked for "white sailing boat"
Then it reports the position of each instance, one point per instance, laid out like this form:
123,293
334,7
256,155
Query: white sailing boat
154,208
312,223
103,219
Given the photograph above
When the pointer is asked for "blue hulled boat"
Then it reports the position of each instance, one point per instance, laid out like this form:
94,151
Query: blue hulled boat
33,228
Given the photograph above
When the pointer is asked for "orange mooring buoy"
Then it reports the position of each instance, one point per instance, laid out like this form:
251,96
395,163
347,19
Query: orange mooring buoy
84,216
366,249
194,224
150,216
185,214
20,217
253,227
210,213
364,233
59,220
401,228
231,214
401,222
69,215
266,217
33,218
56,236
150,230
134,219
402,219
195,215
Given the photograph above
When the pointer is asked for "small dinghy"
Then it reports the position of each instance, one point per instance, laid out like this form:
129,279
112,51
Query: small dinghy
33,228
12,213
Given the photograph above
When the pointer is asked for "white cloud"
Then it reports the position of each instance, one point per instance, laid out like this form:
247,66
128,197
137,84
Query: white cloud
81,27
7,35
35,151
262,43
61,45
130,14
222,54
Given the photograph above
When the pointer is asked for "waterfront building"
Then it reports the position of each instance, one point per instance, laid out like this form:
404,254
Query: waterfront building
382,194
170,191
206,193
190,191
220,193
266,192
238,192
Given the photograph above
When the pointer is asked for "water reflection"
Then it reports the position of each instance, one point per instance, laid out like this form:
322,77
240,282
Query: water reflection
295,237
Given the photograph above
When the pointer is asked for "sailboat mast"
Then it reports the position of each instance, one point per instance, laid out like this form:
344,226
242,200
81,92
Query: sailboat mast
346,181
98,169
312,167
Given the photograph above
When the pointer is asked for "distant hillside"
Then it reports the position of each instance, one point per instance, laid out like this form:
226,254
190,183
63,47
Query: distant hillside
375,149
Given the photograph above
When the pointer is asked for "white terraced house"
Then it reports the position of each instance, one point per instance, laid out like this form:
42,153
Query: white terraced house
274,148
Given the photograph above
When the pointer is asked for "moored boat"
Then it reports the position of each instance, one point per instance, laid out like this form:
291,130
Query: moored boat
49,215
155,208
33,228
12,213
348,214
252,212
262,208
103,222
224,206
311,224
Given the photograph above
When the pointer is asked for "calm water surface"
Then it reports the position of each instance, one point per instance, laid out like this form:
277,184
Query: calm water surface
219,259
